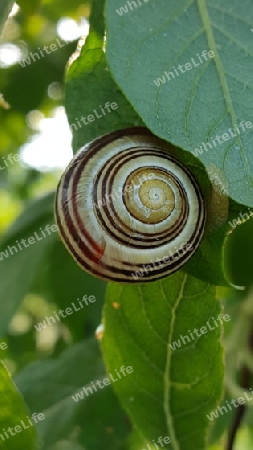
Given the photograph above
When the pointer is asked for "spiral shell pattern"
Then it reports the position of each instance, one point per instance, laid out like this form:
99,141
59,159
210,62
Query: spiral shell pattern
127,210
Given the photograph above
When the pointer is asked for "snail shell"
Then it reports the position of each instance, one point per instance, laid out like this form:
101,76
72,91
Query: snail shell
127,210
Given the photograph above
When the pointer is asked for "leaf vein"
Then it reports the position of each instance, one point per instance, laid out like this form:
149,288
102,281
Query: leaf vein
227,97
167,383
229,13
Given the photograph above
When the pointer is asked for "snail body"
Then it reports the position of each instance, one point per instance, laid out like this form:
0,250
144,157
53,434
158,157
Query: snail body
125,206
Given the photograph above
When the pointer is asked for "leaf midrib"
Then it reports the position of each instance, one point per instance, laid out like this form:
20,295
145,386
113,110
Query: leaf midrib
203,11
167,381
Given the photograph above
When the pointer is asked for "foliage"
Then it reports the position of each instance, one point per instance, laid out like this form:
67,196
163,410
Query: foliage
170,392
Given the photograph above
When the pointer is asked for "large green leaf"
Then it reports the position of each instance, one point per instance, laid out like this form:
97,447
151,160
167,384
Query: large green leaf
170,391
13,413
207,99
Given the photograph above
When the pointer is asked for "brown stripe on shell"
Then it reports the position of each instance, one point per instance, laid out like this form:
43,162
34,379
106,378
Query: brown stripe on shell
164,237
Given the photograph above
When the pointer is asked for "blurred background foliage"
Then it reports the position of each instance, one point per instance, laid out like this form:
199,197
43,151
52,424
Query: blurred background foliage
43,278
50,365
34,125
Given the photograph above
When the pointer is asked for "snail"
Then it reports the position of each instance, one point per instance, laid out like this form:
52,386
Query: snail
127,210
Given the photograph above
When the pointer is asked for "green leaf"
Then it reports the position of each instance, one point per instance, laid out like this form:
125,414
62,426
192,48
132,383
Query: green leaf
24,261
170,391
136,441
211,258
207,262
88,79
13,412
87,422
206,100
40,384
48,386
